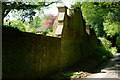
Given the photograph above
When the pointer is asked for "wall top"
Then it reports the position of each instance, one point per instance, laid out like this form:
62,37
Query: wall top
62,8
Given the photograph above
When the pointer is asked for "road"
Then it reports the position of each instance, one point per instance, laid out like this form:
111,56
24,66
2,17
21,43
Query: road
110,70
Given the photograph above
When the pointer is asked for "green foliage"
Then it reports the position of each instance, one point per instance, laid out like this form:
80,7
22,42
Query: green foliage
48,32
113,50
106,43
27,8
36,22
112,28
69,74
43,32
30,6
16,24
76,5
111,21
103,17
103,52
33,25
93,17
106,50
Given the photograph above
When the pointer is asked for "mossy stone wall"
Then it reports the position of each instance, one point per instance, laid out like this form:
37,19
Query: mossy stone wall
27,55
76,43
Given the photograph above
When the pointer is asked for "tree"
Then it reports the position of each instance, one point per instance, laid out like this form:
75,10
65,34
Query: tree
103,17
16,24
30,6
97,13
94,16
36,22
48,21
112,28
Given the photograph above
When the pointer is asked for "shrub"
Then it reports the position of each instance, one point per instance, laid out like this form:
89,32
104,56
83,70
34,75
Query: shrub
106,43
113,50
103,53
67,74
16,24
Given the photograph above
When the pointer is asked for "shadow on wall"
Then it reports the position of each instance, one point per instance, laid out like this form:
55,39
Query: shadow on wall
75,41
28,55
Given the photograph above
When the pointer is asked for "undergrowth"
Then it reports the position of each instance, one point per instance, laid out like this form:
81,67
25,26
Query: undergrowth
105,51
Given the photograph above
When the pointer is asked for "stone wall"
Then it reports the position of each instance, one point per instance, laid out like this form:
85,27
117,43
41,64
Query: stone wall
76,43
28,55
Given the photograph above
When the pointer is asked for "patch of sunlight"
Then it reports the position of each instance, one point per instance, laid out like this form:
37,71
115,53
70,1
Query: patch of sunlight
80,74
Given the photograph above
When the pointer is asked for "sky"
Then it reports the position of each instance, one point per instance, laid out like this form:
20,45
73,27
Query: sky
51,10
